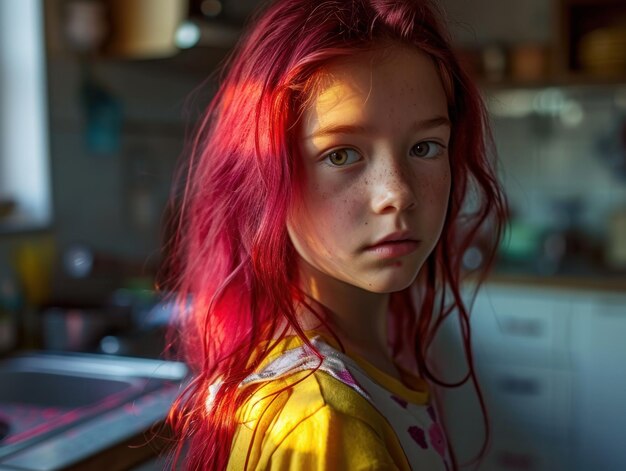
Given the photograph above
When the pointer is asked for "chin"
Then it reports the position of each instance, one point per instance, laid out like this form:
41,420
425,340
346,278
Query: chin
391,284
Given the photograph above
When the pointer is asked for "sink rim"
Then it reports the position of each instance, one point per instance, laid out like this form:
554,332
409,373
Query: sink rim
145,377
96,363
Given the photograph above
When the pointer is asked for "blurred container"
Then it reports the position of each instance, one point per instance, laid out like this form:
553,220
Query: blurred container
10,306
85,25
145,28
495,62
34,260
80,329
521,241
528,62
603,50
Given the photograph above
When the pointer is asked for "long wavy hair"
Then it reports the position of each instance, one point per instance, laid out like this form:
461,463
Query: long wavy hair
232,264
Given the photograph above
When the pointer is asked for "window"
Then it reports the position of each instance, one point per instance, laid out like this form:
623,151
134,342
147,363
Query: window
24,150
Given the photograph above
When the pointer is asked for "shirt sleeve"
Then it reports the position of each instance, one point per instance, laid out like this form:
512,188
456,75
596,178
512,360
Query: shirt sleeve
329,439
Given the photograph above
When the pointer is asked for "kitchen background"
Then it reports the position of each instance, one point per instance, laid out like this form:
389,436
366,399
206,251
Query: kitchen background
92,126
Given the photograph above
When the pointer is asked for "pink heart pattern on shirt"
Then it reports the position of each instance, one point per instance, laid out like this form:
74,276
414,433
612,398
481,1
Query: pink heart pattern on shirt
400,401
418,435
437,439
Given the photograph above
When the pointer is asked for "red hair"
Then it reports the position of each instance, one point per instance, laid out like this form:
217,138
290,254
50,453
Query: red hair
233,264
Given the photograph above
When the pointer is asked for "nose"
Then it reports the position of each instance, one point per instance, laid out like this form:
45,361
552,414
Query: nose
393,189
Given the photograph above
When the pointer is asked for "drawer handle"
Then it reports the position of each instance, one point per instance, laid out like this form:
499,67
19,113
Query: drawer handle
522,327
521,386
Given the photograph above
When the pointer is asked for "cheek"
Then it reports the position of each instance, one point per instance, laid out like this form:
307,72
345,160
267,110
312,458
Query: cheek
442,185
434,188
333,205
323,217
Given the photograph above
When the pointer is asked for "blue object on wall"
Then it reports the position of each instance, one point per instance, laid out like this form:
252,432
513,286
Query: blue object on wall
103,115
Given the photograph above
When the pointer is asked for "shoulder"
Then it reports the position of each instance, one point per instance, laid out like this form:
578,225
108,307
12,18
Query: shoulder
312,417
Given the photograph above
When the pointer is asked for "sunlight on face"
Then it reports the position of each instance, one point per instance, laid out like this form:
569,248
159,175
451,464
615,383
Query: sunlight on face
373,148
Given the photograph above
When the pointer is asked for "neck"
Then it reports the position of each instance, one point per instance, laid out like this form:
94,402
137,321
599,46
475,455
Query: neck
357,316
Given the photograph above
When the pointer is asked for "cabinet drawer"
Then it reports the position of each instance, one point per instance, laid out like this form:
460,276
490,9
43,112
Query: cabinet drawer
520,451
537,399
521,326
600,386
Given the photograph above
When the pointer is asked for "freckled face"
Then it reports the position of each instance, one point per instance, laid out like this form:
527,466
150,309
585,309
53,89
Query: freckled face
373,149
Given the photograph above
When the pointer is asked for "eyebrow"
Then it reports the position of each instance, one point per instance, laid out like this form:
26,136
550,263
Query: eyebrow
331,129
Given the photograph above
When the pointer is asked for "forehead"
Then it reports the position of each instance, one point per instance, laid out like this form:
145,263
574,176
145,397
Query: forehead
381,86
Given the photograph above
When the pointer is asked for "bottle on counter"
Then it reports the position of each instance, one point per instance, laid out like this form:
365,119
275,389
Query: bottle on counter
11,303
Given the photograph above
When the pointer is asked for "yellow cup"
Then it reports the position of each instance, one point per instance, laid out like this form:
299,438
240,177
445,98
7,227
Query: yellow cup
145,28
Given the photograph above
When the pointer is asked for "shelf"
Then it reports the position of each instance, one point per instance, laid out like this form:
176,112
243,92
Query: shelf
609,283
570,80
556,61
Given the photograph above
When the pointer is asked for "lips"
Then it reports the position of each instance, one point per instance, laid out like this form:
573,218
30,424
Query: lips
396,237
394,245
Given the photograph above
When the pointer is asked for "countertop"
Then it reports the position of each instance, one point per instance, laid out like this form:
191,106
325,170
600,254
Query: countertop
606,283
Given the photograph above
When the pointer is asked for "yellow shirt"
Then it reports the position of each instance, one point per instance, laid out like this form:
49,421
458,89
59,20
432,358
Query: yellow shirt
318,422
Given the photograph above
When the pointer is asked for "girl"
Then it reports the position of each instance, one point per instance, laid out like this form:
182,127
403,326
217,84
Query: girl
320,240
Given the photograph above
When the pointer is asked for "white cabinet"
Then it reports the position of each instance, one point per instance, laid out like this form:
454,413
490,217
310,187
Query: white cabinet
552,367
600,383
536,399
521,449
522,326
522,340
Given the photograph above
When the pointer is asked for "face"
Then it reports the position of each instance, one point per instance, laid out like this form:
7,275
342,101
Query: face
373,147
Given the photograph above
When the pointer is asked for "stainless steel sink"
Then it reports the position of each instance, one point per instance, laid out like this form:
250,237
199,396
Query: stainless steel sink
51,389
59,411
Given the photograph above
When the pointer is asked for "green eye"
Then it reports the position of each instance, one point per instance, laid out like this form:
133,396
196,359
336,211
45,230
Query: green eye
427,149
342,157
